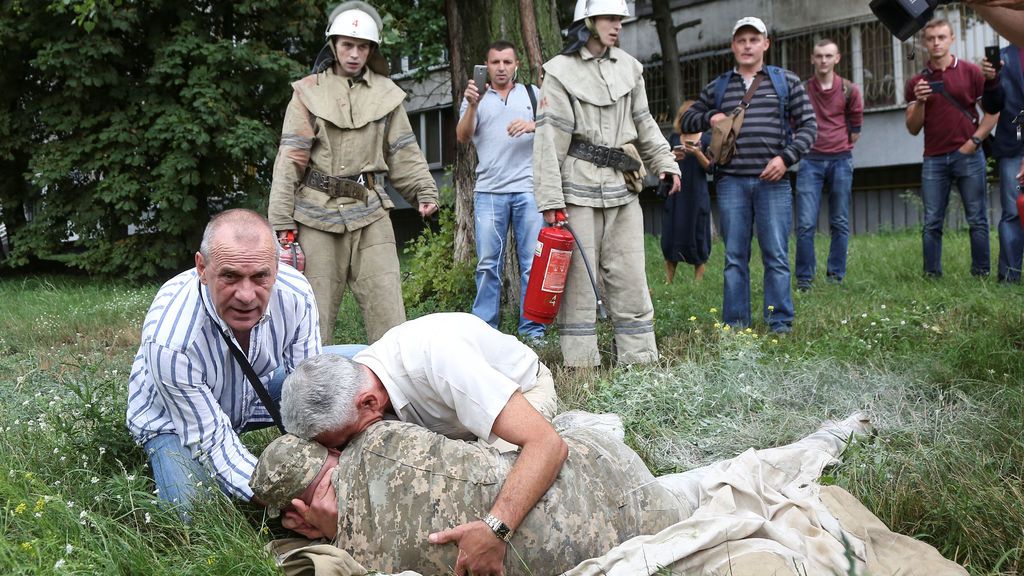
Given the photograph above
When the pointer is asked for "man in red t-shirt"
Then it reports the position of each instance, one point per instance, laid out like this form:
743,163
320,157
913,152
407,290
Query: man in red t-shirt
943,101
839,110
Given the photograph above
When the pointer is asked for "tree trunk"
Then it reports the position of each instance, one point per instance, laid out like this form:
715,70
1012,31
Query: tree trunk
662,15
472,25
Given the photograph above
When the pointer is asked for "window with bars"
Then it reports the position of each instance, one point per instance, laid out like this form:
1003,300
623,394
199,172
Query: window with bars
430,126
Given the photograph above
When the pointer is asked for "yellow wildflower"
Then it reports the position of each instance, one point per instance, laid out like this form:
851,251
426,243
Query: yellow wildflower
21,508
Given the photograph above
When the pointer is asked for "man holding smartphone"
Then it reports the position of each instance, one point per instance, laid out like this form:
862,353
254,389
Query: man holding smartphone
498,117
1008,150
943,100
839,111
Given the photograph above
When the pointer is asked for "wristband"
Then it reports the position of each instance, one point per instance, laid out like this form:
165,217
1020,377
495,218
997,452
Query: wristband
500,529
977,141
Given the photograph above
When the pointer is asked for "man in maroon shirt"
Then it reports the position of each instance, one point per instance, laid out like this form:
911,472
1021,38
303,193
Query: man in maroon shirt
943,101
839,109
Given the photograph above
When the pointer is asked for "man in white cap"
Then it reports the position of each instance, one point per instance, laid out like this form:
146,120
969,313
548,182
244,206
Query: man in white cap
592,121
345,128
779,127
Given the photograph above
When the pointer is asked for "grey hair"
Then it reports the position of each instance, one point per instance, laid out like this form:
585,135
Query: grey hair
243,219
320,395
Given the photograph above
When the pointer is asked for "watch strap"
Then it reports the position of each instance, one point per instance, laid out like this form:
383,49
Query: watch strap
976,140
500,529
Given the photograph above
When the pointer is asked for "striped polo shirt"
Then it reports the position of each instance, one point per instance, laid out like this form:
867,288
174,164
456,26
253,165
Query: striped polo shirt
185,381
762,136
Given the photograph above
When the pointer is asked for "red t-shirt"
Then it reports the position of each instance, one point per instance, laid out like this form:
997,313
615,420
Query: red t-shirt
946,128
838,115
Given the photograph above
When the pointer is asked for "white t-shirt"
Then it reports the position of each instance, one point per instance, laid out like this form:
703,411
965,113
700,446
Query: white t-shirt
450,373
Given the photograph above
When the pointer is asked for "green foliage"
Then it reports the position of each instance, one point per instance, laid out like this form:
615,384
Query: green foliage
434,282
121,137
420,35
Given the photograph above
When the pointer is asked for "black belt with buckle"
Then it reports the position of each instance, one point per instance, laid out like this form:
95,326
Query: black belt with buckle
355,187
603,156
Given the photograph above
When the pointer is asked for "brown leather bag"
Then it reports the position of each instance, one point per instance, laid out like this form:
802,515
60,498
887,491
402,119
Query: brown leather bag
724,133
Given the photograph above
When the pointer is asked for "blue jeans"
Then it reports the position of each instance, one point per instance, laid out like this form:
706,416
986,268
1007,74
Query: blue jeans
743,202
493,214
937,176
1011,236
813,175
177,475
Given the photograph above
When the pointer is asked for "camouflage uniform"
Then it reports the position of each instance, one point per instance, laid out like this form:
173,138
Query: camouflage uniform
343,126
396,483
601,101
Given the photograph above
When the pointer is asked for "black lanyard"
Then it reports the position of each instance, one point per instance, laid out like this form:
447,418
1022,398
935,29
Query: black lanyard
250,374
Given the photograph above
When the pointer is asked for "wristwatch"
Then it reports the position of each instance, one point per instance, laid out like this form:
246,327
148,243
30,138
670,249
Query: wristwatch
977,141
500,529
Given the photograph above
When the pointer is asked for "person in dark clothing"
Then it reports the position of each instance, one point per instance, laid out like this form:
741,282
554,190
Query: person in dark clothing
686,222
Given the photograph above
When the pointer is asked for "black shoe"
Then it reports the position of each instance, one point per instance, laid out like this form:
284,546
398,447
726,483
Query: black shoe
803,285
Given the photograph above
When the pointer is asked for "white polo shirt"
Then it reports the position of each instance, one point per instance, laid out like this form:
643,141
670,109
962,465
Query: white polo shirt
451,373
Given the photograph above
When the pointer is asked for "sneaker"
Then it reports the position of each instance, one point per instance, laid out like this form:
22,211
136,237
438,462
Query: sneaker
803,285
833,279
535,341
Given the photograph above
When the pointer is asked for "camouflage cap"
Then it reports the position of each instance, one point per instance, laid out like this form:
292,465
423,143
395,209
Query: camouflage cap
285,468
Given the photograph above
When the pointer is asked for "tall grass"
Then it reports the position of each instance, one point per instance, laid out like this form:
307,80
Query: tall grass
938,363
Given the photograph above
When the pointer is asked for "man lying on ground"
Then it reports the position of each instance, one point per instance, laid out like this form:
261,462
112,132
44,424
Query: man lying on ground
395,483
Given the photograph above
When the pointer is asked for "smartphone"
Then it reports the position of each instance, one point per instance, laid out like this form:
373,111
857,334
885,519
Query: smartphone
992,55
937,86
480,77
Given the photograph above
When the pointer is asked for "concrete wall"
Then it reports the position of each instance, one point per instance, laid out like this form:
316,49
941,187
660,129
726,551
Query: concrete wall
719,16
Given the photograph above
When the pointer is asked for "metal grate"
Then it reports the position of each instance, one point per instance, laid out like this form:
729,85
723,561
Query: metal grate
798,50
879,84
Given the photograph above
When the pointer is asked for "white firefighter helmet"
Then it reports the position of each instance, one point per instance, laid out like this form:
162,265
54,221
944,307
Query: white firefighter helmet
356,22
591,8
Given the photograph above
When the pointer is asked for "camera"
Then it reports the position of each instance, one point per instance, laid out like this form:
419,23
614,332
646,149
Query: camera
905,17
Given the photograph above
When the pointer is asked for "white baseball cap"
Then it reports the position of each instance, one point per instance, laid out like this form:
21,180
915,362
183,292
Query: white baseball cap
753,22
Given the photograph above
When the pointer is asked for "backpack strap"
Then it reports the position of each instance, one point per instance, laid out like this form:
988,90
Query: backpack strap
533,100
721,83
778,77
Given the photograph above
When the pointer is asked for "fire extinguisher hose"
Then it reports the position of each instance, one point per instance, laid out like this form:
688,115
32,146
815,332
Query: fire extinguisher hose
590,272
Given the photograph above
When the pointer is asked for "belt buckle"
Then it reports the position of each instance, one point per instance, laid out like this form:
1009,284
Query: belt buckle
602,156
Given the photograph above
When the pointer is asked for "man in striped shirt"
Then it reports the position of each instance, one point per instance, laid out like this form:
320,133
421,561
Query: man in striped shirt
188,398
752,188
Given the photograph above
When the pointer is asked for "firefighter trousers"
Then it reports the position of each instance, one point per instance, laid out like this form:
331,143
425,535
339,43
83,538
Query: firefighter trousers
613,239
364,260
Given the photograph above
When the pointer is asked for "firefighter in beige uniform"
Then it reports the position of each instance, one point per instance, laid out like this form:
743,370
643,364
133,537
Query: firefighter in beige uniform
592,104
344,128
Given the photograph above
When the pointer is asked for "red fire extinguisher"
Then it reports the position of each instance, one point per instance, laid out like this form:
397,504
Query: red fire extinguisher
550,268
291,252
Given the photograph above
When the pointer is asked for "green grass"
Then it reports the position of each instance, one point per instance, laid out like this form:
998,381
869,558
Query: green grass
938,363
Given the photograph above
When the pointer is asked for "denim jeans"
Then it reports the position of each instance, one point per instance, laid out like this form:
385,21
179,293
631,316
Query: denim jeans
1011,236
743,203
938,174
813,175
493,214
178,477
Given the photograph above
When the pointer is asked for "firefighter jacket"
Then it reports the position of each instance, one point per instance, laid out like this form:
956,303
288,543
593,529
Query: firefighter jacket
601,101
343,126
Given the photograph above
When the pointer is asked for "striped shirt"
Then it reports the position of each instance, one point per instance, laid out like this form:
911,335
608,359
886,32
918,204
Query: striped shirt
762,136
185,381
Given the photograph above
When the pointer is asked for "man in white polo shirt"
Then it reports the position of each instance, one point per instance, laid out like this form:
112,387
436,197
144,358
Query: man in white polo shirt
499,119
457,376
